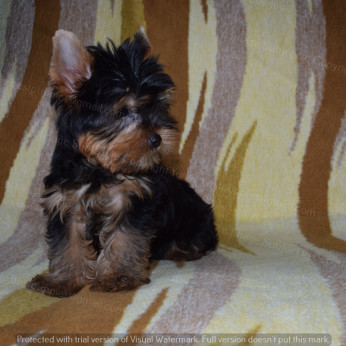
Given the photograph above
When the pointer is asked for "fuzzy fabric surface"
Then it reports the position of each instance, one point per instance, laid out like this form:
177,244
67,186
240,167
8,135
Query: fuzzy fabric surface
261,102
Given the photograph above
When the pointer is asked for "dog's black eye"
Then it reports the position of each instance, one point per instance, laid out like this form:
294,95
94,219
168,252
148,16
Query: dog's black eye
128,114
124,112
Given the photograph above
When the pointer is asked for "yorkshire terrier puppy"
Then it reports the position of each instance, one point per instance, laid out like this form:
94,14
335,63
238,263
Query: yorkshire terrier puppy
112,204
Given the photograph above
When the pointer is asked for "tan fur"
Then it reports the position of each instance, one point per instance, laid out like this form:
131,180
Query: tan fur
77,259
74,265
111,200
169,145
130,151
166,96
114,201
123,262
124,258
61,202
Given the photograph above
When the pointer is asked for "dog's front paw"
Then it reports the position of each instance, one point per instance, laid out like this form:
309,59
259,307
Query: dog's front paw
44,284
120,283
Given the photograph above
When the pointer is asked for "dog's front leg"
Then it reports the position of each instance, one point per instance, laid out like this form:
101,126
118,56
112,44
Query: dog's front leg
123,263
72,258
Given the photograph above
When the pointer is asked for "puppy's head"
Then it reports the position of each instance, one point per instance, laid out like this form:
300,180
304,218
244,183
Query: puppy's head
113,102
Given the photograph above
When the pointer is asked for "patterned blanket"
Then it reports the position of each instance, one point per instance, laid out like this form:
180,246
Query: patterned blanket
261,102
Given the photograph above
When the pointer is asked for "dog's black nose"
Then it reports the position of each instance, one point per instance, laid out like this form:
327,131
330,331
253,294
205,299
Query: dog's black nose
155,140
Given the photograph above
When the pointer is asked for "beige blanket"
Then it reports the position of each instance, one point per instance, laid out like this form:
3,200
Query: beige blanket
261,101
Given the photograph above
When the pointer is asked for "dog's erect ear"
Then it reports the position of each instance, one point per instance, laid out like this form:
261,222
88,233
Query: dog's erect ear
142,36
70,64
